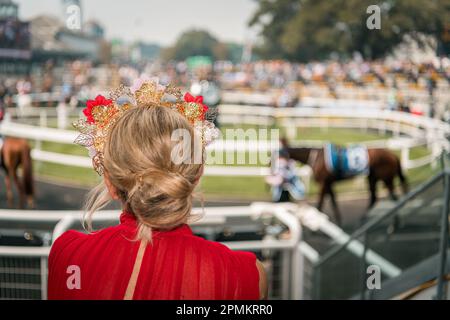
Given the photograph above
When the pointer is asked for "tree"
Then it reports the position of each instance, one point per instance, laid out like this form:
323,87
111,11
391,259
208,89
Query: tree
312,29
202,43
272,16
193,43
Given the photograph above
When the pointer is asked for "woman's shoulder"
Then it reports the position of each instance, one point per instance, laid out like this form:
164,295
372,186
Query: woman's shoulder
73,240
64,239
217,249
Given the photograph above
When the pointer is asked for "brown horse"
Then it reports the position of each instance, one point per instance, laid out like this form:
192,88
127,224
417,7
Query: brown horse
14,153
383,166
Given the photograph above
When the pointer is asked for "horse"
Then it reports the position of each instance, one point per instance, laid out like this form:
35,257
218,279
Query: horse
383,165
15,152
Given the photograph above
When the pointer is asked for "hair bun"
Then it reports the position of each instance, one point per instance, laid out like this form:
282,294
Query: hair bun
161,199
172,184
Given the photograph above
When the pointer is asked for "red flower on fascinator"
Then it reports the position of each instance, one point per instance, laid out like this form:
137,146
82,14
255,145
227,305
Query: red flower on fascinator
90,104
189,98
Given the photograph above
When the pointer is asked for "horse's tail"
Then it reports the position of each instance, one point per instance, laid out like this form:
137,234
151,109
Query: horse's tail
402,177
27,167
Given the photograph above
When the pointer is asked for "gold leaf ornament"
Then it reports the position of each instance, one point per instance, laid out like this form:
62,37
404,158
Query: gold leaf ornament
94,135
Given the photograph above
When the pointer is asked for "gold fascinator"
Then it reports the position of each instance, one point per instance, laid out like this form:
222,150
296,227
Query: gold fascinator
101,114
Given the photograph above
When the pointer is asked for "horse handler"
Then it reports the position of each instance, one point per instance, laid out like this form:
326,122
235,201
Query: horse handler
284,180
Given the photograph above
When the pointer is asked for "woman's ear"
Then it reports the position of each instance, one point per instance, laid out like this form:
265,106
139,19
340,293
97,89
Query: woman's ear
111,188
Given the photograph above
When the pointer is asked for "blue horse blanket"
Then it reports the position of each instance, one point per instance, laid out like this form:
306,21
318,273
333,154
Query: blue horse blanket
347,161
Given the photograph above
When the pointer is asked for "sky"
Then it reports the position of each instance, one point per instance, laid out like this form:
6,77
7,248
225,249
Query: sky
159,21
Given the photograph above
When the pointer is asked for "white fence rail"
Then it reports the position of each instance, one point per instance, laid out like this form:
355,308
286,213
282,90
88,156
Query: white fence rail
419,131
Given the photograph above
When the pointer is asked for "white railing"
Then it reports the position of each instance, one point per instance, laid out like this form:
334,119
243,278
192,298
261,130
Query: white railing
421,131
295,253
8,128
232,113
315,220
61,136
310,102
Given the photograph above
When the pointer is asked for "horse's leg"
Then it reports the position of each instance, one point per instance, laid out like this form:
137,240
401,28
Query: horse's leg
396,222
390,186
27,179
9,164
373,190
323,191
20,189
337,212
9,194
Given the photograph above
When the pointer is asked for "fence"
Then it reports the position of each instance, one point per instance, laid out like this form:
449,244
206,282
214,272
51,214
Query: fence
23,270
419,131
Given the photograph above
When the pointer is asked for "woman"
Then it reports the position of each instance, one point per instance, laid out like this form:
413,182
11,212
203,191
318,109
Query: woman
152,253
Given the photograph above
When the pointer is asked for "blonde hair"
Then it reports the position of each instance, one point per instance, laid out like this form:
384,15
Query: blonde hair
137,162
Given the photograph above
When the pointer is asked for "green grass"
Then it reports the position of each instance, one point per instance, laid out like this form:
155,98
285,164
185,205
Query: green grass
83,177
418,152
419,175
248,188
72,149
334,135
339,135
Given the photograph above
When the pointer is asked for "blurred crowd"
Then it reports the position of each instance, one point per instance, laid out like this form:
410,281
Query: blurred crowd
278,74
84,80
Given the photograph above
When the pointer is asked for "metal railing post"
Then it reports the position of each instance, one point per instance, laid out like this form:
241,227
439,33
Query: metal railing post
441,289
405,158
285,276
298,274
363,265
316,288
44,274
297,267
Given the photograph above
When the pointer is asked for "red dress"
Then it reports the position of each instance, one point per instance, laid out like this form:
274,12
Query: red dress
176,265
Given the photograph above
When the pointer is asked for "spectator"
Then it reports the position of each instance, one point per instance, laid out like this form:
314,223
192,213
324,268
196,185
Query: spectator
152,253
